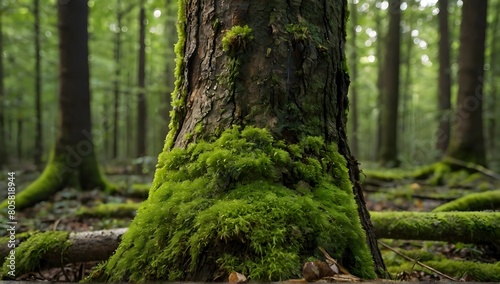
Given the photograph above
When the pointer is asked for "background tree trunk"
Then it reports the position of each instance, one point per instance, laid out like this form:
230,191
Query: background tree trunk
3,132
444,84
116,81
353,108
389,111
38,148
73,159
494,105
467,141
141,97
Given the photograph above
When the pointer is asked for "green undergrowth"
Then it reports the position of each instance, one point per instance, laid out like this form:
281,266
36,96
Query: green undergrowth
29,256
474,271
483,272
244,202
114,210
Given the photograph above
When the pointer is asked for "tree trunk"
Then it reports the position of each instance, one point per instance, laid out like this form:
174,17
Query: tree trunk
444,83
256,171
353,108
494,105
20,124
389,112
73,159
3,132
407,144
38,148
467,142
141,97
380,90
116,81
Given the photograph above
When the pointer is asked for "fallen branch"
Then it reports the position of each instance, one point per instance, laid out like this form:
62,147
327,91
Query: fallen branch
474,167
54,249
417,262
466,227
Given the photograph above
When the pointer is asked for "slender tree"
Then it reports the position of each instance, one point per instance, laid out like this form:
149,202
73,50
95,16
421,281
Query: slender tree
467,141
72,160
116,81
141,97
494,109
444,81
256,171
388,155
406,145
379,48
353,108
3,138
20,126
38,149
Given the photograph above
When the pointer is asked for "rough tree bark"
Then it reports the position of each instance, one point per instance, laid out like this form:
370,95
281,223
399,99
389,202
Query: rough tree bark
256,172
467,141
72,160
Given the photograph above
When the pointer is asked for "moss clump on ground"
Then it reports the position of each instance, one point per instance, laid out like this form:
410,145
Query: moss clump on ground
489,200
245,203
31,253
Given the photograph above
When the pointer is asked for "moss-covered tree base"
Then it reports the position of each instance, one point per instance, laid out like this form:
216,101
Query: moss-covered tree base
61,170
245,203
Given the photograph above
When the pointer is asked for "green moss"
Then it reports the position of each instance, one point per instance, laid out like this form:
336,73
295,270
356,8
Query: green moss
484,272
236,39
178,95
56,176
299,32
31,253
231,205
115,210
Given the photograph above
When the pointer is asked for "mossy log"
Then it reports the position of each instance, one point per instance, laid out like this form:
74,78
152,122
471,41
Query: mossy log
489,200
52,249
466,227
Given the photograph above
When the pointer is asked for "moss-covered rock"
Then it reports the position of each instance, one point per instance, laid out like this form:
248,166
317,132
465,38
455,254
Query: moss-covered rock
245,203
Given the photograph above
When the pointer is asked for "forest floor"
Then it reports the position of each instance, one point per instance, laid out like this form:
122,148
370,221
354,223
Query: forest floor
66,211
